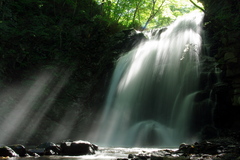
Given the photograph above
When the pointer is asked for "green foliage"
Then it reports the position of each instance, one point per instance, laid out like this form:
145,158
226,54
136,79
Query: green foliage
142,13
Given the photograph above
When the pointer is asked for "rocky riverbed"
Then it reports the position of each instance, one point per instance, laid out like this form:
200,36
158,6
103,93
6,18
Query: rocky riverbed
206,150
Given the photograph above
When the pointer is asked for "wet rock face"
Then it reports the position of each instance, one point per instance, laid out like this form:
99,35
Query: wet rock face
223,36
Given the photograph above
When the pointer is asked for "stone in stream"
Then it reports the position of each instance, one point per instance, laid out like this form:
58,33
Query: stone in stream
47,148
78,148
7,152
19,149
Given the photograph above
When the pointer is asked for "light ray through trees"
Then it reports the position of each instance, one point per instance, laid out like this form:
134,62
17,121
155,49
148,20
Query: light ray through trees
26,107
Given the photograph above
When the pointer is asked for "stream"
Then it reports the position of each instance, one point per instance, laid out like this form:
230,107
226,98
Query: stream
102,154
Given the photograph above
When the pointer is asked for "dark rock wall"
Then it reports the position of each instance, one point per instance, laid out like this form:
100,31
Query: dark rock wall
222,25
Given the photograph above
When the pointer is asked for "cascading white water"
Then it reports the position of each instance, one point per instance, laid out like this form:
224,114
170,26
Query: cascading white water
152,90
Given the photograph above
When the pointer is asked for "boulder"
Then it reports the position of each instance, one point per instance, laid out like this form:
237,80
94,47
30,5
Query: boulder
186,149
33,154
36,151
78,148
7,152
204,147
52,150
47,148
19,149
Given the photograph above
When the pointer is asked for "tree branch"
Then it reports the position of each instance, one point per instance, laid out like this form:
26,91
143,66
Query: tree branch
153,13
197,6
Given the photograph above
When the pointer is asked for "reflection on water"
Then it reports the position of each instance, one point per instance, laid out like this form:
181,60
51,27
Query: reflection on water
101,154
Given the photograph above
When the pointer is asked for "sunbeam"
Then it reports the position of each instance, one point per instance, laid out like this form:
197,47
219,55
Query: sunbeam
25,113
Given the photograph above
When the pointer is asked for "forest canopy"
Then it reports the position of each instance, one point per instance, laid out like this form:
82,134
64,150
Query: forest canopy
142,14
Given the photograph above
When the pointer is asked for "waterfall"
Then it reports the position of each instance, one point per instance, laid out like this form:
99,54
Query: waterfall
152,91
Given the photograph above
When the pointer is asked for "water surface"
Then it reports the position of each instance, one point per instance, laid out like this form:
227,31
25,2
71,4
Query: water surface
101,154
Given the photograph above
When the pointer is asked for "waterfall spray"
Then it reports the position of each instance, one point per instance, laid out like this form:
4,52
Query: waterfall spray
152,90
